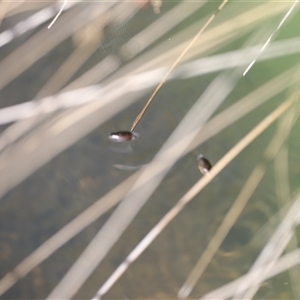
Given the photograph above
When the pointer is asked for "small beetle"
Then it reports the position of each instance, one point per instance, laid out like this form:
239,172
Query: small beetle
122,136
203,164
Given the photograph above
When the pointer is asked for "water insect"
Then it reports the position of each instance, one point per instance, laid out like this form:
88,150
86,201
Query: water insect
203,164
122,136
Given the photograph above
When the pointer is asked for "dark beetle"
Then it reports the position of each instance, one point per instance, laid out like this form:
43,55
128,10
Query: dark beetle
203,164
122,136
